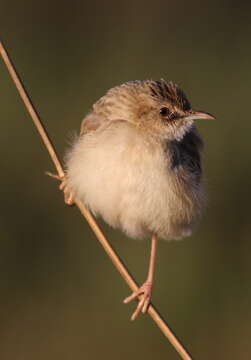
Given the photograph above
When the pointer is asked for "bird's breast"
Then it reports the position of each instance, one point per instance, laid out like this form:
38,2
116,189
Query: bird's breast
132,183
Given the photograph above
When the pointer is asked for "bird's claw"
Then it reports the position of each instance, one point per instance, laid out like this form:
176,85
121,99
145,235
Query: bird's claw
144,295
68,196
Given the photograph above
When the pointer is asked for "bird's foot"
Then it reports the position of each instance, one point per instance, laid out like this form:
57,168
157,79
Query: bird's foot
144,295
68,196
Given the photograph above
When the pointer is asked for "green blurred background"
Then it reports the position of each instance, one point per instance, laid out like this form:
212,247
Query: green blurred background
60,296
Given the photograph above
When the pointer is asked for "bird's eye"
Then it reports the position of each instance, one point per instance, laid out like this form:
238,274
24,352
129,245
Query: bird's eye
164,111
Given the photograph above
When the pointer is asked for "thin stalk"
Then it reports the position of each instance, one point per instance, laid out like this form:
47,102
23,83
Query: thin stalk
152,311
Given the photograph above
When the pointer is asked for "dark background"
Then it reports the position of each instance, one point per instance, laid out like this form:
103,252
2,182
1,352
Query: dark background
60,297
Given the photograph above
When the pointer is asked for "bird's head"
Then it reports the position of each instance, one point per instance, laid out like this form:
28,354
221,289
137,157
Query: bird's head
159,108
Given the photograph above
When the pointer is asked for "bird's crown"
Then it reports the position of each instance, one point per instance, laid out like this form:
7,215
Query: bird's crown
170,92
129,95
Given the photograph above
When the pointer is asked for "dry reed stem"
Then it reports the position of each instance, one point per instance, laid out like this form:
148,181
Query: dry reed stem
91,221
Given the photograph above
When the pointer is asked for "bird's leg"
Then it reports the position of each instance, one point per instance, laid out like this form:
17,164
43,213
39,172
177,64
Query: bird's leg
145,291
68,196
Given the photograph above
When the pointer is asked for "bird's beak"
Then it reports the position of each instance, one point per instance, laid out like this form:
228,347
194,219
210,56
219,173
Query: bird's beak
199,115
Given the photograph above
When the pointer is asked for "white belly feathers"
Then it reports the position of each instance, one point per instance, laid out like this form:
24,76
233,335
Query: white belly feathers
128,181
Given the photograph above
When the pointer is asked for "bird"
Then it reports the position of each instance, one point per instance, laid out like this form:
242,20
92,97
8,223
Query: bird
137,164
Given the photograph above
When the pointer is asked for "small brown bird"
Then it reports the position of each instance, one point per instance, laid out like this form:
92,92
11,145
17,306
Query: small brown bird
137,163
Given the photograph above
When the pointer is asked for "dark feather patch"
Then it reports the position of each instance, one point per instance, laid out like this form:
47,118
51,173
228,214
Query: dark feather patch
186,153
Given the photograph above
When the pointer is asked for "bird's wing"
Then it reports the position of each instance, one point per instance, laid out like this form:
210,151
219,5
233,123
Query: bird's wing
92,122
95,122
